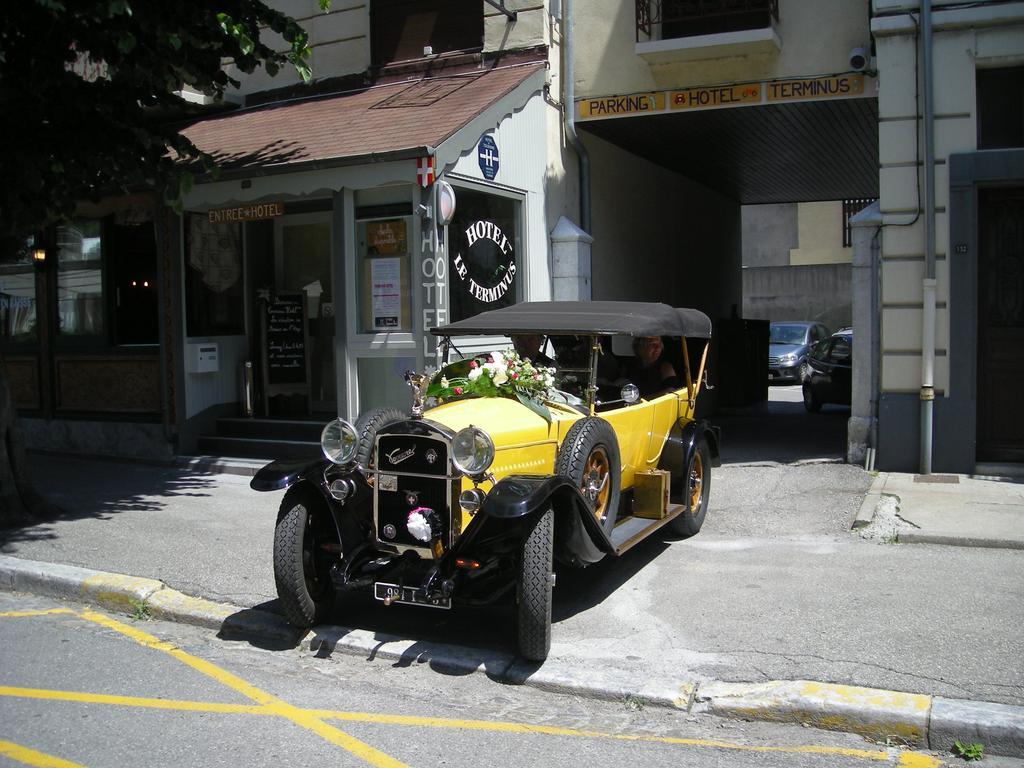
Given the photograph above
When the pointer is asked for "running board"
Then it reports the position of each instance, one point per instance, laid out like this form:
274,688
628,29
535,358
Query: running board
633,530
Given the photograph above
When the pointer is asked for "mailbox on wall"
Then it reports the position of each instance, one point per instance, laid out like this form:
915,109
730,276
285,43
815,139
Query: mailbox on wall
203,357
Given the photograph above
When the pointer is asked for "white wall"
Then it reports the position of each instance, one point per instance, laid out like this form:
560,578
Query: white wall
659,236
339,42
522,167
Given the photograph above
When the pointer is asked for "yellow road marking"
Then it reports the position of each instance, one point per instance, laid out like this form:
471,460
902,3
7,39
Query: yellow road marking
28,756
313,719
132,701
25,614
908,760
273,704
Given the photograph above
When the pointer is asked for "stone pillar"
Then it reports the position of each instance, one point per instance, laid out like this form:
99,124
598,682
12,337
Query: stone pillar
864,285
570,262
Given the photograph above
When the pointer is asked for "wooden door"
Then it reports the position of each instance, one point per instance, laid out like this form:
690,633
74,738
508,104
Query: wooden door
1001,325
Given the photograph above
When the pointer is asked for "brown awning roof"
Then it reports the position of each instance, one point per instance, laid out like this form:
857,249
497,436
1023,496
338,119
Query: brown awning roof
389,120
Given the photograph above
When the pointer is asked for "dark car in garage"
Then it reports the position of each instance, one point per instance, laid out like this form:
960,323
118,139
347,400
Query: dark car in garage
788,344
829,371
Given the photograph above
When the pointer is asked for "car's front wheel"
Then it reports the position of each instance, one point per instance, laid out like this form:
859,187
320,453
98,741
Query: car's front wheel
301,565
534,587
811,402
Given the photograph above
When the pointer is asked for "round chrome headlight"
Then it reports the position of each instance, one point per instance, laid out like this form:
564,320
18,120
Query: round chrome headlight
339,441
472,451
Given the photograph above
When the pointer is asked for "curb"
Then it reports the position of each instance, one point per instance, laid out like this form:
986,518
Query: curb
886,716
866,513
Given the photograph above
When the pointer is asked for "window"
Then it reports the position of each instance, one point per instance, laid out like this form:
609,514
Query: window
385,301
850,209
213,278
1000,108
18,300
483,253
80,278
841,351
400,30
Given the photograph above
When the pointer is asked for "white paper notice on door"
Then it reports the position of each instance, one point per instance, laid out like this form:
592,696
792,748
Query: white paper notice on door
386,279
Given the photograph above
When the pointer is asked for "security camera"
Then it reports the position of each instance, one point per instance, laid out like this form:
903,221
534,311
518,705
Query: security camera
860,57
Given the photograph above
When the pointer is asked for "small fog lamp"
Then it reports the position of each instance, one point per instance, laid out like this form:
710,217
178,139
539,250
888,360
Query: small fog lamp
471,500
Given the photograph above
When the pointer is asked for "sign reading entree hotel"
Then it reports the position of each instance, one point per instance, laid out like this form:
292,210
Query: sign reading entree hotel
252,212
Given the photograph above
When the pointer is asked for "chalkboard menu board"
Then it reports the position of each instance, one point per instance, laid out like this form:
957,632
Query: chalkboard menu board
284,339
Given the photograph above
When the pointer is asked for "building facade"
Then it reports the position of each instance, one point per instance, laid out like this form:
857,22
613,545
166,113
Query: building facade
957,259
600,150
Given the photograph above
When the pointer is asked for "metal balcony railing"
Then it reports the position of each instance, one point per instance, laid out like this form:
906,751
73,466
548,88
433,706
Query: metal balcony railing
668,19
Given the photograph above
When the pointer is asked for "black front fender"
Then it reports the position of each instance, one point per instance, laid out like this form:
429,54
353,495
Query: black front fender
283,474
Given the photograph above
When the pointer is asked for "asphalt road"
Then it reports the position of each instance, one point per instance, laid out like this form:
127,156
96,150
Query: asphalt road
94,690
775,586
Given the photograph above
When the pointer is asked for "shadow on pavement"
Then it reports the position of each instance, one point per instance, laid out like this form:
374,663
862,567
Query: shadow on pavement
784,432
85,488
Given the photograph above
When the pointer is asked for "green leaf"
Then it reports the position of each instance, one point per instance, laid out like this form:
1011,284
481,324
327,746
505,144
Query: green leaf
175,41
539,408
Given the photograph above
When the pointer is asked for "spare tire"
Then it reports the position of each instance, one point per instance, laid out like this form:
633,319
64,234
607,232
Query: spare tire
367,426
589,456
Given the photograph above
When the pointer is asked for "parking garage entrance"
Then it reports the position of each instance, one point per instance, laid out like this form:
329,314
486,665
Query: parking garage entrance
799,157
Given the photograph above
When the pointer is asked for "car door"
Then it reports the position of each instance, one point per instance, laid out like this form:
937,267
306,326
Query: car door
841,362
820,380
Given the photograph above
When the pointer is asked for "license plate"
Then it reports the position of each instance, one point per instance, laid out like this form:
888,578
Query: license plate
408,596
771,375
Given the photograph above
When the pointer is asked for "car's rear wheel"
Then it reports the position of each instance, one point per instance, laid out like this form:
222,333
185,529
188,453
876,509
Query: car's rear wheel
301,563
589,456
534,588
811,402
693,492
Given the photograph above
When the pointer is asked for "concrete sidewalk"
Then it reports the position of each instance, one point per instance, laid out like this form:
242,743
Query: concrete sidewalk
957,510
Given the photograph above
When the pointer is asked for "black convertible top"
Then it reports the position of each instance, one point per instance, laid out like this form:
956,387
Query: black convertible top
583,318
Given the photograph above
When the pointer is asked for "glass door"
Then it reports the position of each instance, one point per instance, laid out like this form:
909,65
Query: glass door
302,265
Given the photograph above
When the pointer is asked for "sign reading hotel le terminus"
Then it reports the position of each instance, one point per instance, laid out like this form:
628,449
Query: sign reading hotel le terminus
716,97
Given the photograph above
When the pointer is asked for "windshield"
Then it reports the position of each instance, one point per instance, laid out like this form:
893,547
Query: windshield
787,334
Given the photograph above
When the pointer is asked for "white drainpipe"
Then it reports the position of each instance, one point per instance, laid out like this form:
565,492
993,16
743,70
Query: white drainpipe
927,395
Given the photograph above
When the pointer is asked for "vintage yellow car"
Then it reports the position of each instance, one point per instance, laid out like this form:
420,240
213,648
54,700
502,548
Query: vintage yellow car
506,468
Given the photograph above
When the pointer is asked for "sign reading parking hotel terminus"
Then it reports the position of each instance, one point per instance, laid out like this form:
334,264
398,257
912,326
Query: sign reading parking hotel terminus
722,96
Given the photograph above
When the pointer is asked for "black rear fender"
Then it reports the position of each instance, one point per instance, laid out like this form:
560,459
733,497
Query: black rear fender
579,539
682,442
